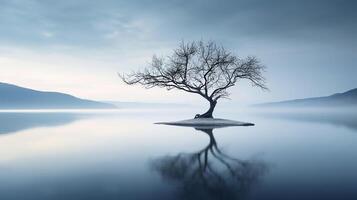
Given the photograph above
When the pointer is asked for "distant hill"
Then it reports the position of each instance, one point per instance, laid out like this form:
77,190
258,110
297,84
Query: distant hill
345,99
15,97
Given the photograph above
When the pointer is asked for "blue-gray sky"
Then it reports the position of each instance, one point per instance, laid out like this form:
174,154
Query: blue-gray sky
308,46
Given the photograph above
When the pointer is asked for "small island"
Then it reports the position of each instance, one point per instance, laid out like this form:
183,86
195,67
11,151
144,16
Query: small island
207,123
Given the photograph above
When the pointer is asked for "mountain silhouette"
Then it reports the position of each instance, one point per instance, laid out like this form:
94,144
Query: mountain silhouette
15,97
344,99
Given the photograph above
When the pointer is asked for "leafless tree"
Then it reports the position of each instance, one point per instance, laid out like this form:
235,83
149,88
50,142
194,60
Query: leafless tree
202,68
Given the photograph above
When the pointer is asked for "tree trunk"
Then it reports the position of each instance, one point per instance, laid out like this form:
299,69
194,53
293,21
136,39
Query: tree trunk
209,113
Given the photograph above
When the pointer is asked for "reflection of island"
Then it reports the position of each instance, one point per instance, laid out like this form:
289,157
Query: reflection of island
210,173
13,122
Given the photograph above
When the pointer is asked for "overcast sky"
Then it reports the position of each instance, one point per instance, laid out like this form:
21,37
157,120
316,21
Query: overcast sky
77,47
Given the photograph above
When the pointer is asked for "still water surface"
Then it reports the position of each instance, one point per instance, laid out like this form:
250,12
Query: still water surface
123,155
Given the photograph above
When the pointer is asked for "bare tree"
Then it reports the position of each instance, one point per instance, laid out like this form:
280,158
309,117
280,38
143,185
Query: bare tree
205,69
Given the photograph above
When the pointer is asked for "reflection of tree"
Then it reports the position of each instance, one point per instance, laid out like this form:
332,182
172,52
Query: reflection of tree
210,173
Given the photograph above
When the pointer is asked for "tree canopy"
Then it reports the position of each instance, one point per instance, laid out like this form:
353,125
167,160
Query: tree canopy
202,68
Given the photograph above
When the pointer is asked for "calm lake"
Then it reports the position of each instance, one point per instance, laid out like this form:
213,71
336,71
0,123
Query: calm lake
124,155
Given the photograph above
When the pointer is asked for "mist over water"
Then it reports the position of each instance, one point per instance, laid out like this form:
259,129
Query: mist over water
93,78
122,155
